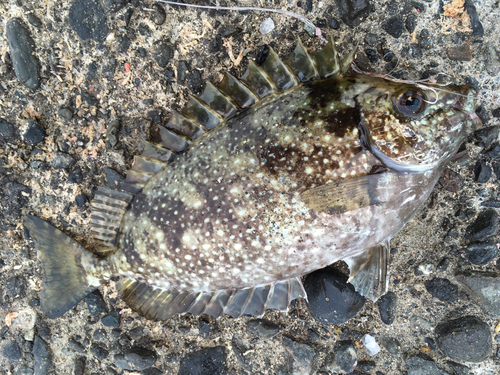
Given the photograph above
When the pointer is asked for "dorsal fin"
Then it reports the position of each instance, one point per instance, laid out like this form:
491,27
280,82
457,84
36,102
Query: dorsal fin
199,116
159,304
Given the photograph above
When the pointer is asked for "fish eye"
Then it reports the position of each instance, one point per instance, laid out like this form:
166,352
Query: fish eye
411,103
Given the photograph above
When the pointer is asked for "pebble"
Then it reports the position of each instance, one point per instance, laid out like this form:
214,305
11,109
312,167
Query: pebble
394,26
458,368
372,55
482,172
387,305
43,358
62,161
477,27
415,51
12,351
24,370
483,288
79,366
263,328
493,152
76,176
459,53
33,134
15,287
112,133
206,361
492,60
486,136
266,26
98,351
482,253
371,346
22,53
421,366
96,303
334,24
88,20
302,355
353,12
485,225
194,81
65,113
442,289
112,319
464,339
371,39
366,365
451,181
136,358
158,14
81,201
332,300
164,53
7,131
411,23
391,344
342,359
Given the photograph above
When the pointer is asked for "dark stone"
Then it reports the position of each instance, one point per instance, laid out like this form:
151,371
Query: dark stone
158,14
392,344
411,23
7,130
451,181
458,368
113,178
164,53
89,99
371,39
263,328
112,319
372,55
152,371
43,358
88,20
34,133
301,354
430,341
334,24
477,27
496,113
388,55
332,300
15,287
112,133
442,289
442,265
136,358
81,201
62,161
485,225
76,176
22,53
308,6
493,152
127,17
76,346
342,359
24,370
123,43
113,6
482,253
206,361
387,305
353,12
194,81
96,303
415,51
34,20
482,287
486,136
65,113
459,53
12,351
394,26
98,351
482,171
182,70
491,203
465,339
79,368
366,365
421,366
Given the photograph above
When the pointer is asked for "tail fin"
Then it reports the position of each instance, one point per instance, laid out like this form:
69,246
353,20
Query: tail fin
65,263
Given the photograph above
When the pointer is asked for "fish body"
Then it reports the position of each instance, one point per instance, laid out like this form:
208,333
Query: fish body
313,173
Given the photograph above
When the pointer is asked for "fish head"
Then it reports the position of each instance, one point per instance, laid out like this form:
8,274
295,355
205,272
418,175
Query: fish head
414,127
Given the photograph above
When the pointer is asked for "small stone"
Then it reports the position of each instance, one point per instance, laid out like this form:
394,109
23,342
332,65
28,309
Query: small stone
88,20
302,355
458,368
460,53
493,152
424,39
96,303
342,359
465,339
477,27
263,328
371,39
22,53
266,26
7,130
65,113
112,319
334,24
387,305
491,60
372,55
486,136
15,287
371,346
12,351
112,133
75,346
206,361
158,14
98,351
114,6
34,133
442,289
411,23
62,161
332,300
420,366
442,265
366,365
415,51
89,99
483,288
41,352
394,26
81,201
485,225
353,12
388,55
79,368
482,253
163,54
451,181
152,371
136,359
24,370
76,177
194,81
482,172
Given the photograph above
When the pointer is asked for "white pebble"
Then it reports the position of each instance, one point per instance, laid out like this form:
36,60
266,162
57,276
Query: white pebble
267,26
370,344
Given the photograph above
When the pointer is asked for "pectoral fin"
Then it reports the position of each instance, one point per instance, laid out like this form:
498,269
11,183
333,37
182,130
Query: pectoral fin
369,271
345,195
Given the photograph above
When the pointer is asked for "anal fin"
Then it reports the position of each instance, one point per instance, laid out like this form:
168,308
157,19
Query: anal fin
369,271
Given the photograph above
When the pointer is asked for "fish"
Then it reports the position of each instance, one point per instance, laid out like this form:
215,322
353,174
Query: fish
259,181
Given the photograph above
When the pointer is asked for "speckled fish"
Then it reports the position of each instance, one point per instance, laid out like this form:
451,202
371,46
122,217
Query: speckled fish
258,182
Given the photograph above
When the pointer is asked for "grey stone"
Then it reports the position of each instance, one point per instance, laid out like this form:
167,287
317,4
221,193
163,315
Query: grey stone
302,354
12,351
205,361
88,20
43,358
263,328
62,161
342,360
420,366
136,359
483,288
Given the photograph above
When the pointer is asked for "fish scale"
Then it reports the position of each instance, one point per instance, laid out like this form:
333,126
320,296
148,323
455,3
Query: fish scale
258,182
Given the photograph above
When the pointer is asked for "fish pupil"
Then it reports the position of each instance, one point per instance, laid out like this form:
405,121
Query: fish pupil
410,103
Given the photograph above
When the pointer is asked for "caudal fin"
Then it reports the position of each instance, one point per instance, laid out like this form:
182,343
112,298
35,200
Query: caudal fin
65,263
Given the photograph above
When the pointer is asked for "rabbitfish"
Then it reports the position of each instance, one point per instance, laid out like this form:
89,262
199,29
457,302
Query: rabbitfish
260,181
